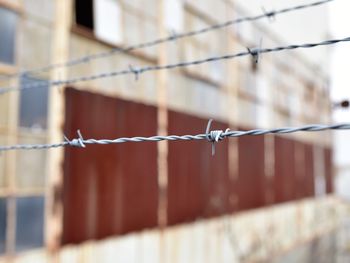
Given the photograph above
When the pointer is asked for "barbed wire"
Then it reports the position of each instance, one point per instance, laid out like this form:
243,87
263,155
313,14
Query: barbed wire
172,37
139,70
211,136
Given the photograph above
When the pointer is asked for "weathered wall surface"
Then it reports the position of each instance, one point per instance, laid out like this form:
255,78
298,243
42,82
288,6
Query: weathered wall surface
280,91
115,187
258,235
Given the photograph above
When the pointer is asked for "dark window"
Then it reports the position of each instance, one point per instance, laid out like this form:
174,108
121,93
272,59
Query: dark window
2,224
30,223
33,104
8,21
84,13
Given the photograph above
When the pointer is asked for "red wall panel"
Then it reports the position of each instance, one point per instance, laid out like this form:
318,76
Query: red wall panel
113,189
328,155
304,167
110,189
252,183
309,180
285,170
198,183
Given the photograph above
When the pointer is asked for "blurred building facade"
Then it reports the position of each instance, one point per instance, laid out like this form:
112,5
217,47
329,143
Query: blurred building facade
171,201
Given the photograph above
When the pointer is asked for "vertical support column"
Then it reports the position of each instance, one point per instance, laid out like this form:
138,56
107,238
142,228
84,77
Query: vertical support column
11,164
11,156
162,119
12,138
269,168
60,53
300,169
232,84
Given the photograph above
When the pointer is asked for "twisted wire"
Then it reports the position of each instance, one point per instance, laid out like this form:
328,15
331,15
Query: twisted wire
211,136
138,71
155,42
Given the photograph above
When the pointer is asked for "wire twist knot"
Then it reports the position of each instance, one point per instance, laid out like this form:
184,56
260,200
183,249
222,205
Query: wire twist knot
255,52
76,142
214,136
271,15
136,71
173,35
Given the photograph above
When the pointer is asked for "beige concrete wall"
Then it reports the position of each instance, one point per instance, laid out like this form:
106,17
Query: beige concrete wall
202,90
253,236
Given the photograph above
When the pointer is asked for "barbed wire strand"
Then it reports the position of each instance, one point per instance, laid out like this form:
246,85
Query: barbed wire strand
137,71
211,136
172,37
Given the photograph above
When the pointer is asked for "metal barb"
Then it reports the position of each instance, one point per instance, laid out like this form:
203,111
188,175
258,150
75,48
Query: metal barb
136,71
271,15
173,35
77,142
255,52
80,139
213,136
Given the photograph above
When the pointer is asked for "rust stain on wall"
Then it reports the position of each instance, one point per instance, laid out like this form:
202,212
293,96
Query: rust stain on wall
113,189
109,189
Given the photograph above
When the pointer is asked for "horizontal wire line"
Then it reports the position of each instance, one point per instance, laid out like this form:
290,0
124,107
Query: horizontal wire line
140,70
113,51
212,136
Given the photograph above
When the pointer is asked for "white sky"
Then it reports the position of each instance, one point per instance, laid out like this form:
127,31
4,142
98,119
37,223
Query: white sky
340,65
340,89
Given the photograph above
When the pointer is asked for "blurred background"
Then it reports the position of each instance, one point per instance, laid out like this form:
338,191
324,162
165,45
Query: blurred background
266,198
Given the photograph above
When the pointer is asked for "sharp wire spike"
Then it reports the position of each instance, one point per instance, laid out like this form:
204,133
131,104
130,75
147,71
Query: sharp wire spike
80,139
256,52
271,15
135,71
173,35
213,136
77,142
